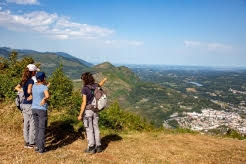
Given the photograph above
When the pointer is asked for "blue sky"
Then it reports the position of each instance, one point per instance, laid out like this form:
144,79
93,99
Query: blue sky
174,32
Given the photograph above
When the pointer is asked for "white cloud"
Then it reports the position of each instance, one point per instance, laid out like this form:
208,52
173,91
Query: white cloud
188,43
124,42
206,45
135,43
24,2
51,25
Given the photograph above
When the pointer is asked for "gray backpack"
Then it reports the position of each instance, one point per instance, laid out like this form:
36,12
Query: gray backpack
100,99
19,100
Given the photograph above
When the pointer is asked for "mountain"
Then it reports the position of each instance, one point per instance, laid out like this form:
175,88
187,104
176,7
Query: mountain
153,101
72,66
121,80
105,65
66,55
149,99
4,51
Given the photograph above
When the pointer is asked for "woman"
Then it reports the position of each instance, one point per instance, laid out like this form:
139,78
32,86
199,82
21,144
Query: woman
90,117
40,96
26,86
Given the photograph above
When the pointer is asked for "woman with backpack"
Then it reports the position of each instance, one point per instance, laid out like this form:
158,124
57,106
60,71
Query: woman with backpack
40,96
26,87
89,115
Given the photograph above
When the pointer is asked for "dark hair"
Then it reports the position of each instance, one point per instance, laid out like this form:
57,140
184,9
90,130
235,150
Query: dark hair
25,76
87,78
39,80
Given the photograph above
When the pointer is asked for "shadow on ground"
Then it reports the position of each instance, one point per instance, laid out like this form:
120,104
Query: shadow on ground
109,138
61,133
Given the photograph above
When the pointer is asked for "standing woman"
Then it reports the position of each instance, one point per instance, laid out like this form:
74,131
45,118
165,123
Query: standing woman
40,95
26,86
90,117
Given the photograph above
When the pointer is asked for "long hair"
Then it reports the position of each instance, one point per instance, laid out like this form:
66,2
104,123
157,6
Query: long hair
25,76
87,78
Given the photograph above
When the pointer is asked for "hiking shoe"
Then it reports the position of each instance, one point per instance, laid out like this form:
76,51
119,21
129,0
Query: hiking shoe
36,149
99,149
31,146
26,144
41,151
90,150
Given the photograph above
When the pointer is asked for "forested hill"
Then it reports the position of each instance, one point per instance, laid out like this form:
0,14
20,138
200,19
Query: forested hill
72,66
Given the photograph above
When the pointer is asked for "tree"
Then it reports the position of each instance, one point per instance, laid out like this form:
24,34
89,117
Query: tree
61,88
10,74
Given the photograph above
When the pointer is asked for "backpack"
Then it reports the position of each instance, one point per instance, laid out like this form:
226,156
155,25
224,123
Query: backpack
19,99
100,98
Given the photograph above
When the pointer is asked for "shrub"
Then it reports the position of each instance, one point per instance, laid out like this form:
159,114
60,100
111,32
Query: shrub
234,134
76,100
117,119
60,89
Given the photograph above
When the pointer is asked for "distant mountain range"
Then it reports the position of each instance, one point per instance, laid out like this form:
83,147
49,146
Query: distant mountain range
185,67
72,66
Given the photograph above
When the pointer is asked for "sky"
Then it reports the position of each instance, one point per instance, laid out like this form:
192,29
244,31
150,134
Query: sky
166,32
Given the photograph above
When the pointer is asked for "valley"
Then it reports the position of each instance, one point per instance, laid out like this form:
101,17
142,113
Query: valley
166,96
223,88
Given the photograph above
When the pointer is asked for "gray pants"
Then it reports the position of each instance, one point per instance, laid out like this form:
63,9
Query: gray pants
29,128
90,121
40,118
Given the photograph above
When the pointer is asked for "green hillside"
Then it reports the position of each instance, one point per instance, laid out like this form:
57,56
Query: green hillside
49,61
153,101
150,100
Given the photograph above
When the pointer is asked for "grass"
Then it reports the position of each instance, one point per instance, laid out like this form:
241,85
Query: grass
66,145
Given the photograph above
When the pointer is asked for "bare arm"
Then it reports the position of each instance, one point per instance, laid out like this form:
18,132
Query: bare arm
29,89
103,81
82,108
18,88
46,97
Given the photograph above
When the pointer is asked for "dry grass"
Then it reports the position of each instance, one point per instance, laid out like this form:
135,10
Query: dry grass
132,147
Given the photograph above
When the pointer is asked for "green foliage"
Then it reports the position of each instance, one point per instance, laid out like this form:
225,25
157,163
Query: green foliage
173,123
117,119
10,74
76,100
234,134
60,89
185,130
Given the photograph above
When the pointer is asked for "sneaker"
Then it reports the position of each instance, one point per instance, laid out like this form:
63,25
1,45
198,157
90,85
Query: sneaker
99,149
90,150
36,149
31,146
26,144
41,151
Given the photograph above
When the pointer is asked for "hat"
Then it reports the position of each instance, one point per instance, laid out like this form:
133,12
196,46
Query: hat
32,67
40,76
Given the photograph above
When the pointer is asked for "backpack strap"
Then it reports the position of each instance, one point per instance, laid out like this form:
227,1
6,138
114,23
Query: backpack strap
92,89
